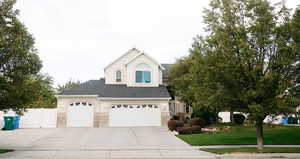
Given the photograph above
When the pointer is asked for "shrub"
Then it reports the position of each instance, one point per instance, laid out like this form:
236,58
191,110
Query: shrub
207,115
189,130
175,117
239,119
174,124
184,130
187,120
196,129
197,121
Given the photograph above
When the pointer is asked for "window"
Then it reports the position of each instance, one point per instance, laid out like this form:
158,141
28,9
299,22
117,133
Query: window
143,77
84,103
118,76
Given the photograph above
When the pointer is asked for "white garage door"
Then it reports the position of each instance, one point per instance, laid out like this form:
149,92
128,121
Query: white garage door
134,115
80,114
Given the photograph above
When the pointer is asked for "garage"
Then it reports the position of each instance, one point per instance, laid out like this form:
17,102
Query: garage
123,115
80,114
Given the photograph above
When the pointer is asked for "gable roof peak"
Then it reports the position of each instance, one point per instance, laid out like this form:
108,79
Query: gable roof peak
143,53
134,49
131,50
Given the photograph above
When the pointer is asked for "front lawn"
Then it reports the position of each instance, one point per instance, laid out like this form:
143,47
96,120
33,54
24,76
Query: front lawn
246,135
5,150
253,150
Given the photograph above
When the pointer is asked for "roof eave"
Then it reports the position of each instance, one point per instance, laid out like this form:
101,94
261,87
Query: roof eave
132,98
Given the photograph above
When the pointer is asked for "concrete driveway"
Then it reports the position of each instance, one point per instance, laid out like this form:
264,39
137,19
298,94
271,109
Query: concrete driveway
134,138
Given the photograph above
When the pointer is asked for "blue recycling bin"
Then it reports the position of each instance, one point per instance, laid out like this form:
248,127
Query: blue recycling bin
16,122
285,120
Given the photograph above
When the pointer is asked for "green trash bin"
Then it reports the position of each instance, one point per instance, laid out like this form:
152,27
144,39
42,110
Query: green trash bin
9,123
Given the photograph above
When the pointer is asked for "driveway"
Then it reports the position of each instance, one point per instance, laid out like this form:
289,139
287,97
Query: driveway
134,138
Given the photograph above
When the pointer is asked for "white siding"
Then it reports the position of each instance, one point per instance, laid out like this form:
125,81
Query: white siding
128,72
110,72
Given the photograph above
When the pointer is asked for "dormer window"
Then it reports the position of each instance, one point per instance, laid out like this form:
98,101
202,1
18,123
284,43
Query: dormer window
143,77
118,76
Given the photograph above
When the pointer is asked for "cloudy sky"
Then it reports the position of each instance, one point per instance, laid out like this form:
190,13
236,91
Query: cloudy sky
78,38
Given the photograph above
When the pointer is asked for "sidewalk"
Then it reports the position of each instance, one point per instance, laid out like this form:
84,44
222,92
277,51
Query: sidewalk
122,154
241,146
260,156
139,154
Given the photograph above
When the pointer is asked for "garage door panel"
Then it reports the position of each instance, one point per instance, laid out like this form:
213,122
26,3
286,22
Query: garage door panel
134,116
80,116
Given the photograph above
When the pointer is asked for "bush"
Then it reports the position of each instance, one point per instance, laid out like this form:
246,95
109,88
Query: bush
175,117
197,121
184,130
209,117
187,120
196,129
239,119
189,130
174,124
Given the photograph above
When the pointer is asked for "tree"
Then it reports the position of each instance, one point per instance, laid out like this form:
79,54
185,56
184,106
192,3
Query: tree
18,60
255,57
248,61
44,92
70,84
187,80
180,80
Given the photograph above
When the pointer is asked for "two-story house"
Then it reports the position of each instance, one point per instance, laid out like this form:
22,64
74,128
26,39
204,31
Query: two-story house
131,94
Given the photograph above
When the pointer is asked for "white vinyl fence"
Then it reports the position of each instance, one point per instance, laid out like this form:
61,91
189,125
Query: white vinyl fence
34,118
271,120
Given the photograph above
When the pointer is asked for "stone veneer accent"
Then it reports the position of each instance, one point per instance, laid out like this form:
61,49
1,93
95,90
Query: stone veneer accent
97,118
165,117
103,119
61,120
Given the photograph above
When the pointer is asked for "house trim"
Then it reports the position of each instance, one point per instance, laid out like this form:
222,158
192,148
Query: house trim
142,53
121,57
120,98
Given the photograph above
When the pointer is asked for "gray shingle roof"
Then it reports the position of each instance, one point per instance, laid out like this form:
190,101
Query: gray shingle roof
98,87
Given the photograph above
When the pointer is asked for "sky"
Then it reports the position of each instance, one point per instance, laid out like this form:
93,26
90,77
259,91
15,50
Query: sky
76,39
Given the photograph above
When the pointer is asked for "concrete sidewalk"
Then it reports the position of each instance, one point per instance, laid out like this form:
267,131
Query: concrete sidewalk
260,156
241,146
133,154
139,154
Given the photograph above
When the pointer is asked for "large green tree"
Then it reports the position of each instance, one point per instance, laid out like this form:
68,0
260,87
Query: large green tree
18,60
44,91
249,60
180,80
256,56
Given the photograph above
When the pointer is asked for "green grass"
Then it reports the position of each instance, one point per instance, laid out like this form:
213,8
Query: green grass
242,135
5,150
253,150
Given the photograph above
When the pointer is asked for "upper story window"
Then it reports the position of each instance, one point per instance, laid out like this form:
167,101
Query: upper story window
143,77
118,76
